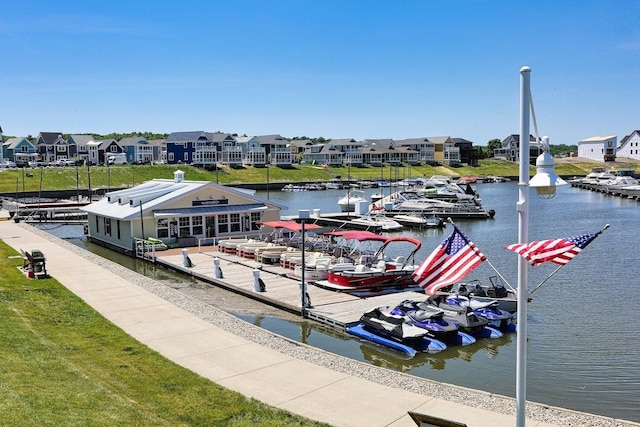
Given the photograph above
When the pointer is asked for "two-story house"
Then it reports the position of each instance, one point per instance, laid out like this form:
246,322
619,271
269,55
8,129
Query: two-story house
19,150
599,148
510,149
277,150
80,143
52,147
630,146
183,146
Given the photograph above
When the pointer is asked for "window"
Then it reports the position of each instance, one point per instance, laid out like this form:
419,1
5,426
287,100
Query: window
183,223
235,222
186,157
114,149
196,223
107,226
97,225
255,218
223,223
118,226
162,228
170,157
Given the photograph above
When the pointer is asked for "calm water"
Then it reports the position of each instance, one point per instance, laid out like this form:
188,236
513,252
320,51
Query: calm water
583,349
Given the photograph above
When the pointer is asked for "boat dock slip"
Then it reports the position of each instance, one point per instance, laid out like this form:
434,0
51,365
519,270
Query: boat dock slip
261,365
332,308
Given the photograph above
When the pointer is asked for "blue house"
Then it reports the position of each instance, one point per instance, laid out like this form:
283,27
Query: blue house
181,146
19,150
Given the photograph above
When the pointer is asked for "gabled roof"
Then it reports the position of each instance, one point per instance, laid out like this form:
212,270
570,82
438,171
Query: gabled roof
458,140
387,142
414,141
628,137
345,142
301,143
104,144
12,143
220,137
157,142
133,140
440,139
271,140
49,138
80,140
191,136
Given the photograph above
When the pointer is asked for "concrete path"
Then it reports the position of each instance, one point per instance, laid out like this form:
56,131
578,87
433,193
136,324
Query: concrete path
272,377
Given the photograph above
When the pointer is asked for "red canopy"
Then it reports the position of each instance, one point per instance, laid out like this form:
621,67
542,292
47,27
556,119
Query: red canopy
290,225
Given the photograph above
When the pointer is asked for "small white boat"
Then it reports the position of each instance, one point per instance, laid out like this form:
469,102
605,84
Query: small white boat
349,201
378,220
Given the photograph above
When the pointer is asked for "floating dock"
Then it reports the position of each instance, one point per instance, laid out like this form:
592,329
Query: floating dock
329,307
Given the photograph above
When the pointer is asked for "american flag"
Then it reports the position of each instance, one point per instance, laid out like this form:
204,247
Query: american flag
558,251
449,263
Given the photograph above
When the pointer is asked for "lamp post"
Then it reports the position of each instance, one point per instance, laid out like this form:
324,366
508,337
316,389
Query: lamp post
303,215
545,182
267,164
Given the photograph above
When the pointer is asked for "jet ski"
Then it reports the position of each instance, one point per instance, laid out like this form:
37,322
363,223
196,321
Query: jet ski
464,317
498,318
432,319
395,331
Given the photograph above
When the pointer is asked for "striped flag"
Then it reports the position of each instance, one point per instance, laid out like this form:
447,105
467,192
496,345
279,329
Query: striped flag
558,251
449,263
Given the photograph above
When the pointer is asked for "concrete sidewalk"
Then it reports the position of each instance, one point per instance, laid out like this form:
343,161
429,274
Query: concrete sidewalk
256,371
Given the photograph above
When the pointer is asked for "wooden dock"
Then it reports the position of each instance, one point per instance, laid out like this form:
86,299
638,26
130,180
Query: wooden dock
333,308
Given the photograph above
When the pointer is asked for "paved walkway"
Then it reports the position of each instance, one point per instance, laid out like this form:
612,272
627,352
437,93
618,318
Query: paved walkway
265,374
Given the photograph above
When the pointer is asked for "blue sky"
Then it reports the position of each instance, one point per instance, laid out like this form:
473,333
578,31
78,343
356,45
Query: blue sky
331,68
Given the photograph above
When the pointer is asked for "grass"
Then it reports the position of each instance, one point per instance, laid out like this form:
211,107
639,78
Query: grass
15,180
63,364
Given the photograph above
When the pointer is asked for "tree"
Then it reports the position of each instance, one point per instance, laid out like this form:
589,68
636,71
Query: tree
494,144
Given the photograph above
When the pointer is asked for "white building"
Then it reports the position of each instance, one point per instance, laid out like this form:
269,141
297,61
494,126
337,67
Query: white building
598,148
177,211
630,146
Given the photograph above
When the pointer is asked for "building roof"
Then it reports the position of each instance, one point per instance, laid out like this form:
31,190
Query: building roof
598,138
133,140
157,193
12,143
190,136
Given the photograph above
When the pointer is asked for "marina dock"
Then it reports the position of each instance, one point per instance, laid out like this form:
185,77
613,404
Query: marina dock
329,307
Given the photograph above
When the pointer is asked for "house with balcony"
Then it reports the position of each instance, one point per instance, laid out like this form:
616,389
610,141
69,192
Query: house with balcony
80,143
19,150
599,148
323,154
298,147
253,154
468,153
425,148
182,147
351,150
446,151
376,152
510,149
139,150
630,146
52,147
229,153
277,150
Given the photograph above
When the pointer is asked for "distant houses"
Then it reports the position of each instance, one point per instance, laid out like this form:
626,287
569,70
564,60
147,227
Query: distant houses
212,150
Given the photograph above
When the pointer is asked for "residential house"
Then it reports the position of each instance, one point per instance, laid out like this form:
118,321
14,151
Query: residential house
376,152
468,155
19,150
229,152
510,149
182,147
138,150
52,147
80,143
351,150
325,154
277,150
178,212
445,150
298,147
425,148
630,146
253,154
599,148
99,151
159,148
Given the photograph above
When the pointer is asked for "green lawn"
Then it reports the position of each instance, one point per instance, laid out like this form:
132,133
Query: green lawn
63,364
17,180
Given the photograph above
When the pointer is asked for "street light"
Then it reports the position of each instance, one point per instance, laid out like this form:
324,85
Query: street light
545,182
303,215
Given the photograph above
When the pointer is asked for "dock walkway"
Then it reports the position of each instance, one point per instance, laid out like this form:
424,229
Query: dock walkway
338,391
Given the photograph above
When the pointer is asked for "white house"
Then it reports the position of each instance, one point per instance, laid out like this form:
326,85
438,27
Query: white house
599,148
177,211
630,146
